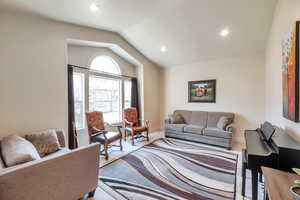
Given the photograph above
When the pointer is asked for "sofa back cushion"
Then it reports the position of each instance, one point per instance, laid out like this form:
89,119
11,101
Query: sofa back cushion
214,117
46,142
17,150
199,118
186,114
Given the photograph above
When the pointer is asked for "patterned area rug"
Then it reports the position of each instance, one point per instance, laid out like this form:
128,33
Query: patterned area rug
170,169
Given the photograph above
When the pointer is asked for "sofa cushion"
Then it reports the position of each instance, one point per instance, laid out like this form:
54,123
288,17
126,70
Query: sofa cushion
215,132
198,118
45,142
214,117
223,122
17,150
224,142
61,151
177,119
193,129
175,127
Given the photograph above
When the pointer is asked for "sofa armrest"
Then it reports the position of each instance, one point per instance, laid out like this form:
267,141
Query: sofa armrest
168,121
66,176
229,128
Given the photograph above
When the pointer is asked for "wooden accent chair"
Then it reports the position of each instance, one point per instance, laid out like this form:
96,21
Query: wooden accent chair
134,126
97,132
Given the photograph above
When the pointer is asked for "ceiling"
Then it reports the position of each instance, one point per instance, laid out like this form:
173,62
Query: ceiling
188,28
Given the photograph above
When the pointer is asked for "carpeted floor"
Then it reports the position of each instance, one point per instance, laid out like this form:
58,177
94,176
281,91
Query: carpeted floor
172,169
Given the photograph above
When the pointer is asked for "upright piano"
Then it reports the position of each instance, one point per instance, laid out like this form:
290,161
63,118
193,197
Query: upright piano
281,152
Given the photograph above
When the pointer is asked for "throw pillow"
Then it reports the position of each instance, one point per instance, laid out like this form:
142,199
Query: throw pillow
17,150
45,142
223,122
177,119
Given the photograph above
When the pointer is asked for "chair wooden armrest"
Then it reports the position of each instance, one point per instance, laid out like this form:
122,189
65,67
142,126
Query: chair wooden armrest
118,126
128,123
146,122
99,132
113,125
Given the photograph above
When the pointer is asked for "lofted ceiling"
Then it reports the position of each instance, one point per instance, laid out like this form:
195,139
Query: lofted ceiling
188,28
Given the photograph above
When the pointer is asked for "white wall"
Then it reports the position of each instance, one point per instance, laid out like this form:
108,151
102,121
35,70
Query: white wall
240,89
33,73
286,14
83,56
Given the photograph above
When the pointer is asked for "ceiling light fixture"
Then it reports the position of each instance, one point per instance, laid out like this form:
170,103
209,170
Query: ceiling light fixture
94,7
163,49
224,32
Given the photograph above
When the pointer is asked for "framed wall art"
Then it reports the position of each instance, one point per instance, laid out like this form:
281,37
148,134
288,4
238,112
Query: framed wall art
202,91
290,74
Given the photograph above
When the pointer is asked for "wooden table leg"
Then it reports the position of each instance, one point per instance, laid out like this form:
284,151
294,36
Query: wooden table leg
254,183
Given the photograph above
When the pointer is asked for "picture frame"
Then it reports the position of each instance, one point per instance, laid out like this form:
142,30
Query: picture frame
203,91
290,74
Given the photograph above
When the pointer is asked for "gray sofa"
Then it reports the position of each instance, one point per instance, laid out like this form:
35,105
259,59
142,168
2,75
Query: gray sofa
65,174
201,126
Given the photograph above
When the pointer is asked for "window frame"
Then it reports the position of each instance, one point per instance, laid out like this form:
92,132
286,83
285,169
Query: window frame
123,101
82,74
120,92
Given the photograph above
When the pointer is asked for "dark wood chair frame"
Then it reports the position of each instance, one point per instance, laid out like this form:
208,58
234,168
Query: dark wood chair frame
128,127
106,143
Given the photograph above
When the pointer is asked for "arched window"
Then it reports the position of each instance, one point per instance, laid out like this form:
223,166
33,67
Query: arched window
104,92
105,64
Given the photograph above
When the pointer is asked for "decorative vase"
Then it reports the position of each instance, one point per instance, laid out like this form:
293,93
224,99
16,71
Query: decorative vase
296,192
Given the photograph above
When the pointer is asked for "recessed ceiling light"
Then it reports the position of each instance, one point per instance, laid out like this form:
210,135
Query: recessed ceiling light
224,32
94,7
163,49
